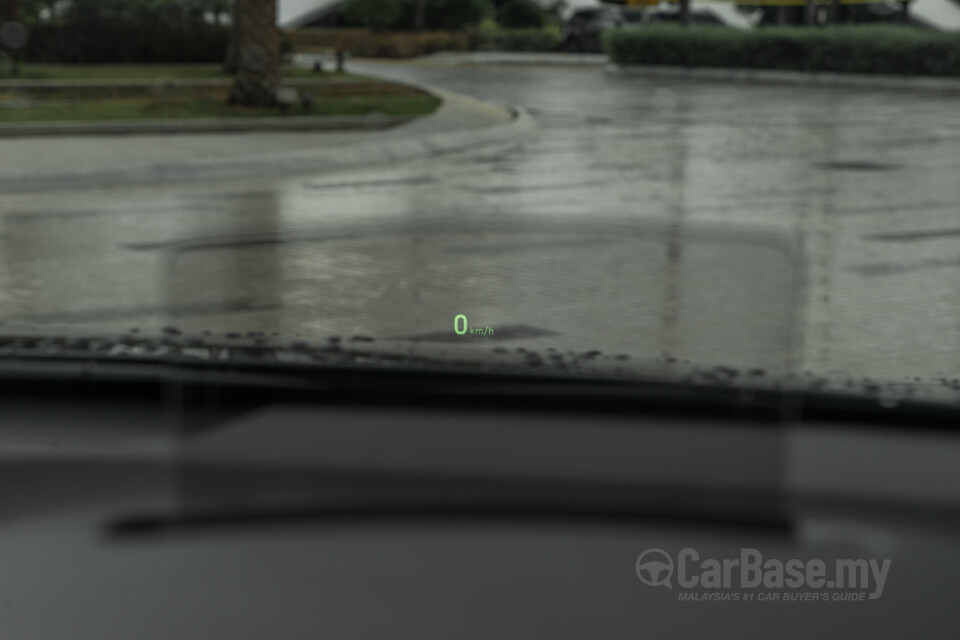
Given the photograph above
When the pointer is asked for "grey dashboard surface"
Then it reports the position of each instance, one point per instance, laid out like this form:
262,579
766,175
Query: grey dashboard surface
65,573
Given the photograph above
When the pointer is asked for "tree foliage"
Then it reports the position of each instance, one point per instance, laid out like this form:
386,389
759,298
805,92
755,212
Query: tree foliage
520,14
57,11
123,31
374,14
400,15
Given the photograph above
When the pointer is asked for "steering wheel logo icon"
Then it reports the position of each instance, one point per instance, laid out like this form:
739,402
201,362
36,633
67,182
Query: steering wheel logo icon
655,568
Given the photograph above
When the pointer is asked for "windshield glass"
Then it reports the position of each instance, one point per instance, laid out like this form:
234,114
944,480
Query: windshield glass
757,186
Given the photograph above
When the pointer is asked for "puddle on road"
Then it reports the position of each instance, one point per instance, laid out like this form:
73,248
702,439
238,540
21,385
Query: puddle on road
858,166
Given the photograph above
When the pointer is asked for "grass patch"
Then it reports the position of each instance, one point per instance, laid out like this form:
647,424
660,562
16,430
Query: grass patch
30,71
873,49
200,102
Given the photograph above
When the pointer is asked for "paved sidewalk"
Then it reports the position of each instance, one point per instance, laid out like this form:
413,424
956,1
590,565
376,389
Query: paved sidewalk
41,163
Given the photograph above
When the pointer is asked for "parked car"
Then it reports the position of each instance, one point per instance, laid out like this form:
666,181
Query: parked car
583,29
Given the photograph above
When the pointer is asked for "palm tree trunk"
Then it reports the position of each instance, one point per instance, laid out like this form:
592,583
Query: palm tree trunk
230,62
684,12
418,18
256,44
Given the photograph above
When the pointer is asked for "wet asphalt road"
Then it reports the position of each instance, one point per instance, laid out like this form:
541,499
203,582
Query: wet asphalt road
782,227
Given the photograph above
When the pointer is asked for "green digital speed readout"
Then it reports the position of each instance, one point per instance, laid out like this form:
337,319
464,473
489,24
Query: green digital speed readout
462,327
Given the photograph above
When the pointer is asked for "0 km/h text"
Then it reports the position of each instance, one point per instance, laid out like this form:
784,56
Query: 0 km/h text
461,327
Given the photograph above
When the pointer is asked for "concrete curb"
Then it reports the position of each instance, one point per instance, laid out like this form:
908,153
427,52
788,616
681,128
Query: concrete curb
518,58
823,79
509,126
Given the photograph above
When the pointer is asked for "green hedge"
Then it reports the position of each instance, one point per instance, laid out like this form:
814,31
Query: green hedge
367,44
404,44
523,39
127,42
887,49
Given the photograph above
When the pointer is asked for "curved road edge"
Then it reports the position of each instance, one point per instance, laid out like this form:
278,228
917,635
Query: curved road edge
460,124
